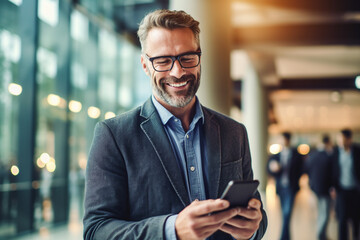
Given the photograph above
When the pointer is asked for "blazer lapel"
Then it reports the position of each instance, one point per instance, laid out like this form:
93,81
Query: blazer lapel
158,138
213,149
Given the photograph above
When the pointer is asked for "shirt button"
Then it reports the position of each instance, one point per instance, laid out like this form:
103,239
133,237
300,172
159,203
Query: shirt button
192,168
175,120
187,136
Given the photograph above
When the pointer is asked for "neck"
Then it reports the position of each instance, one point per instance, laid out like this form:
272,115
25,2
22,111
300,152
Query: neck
185,114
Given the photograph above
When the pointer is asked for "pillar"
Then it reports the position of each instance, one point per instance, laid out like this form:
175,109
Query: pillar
254,111
214,16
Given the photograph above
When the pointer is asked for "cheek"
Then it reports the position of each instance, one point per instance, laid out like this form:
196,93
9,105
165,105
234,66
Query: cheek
155,79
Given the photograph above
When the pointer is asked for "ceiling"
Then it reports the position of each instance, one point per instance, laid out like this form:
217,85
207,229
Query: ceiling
307,54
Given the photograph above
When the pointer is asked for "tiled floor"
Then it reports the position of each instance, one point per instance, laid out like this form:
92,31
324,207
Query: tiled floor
303,225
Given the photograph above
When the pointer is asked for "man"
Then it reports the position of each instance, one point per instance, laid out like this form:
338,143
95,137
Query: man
319,168
346,174
157,171
286,167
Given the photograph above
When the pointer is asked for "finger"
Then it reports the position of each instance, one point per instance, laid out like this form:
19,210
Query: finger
215,220
242,233
208,206
220,217
245,222
254,203
250,213
211,223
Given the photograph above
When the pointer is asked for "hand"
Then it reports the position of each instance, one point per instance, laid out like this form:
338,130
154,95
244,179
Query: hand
333,193
196,221
245,227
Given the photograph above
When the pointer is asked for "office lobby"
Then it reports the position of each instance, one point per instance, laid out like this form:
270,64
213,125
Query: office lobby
272,65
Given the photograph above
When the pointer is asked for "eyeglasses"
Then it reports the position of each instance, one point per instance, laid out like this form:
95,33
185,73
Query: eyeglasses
166,63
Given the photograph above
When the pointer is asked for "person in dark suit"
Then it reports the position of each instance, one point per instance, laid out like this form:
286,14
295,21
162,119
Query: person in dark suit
346,173
157,171
286,167
319,168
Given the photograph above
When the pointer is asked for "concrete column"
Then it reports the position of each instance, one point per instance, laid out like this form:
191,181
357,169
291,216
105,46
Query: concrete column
254,110
215,24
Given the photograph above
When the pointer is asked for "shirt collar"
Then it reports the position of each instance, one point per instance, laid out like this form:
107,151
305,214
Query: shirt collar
165,115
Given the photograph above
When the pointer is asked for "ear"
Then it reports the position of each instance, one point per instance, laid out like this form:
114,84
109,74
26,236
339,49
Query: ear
144,65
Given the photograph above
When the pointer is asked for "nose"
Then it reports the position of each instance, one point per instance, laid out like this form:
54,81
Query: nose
177,71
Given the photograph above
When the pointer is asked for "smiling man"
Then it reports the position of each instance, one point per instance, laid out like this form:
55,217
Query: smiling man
157,171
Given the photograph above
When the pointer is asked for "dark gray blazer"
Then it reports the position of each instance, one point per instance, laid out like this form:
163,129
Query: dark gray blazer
133,181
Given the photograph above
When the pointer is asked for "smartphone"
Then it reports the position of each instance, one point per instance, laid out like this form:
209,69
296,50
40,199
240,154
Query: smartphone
238,193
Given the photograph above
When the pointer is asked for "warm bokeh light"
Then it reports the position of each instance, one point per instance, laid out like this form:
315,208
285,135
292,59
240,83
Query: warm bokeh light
14,170
51,166
82,163
271,194
303,149
275,148
40,163
94,112
56,101
75,106
15,89
109,115
46,161
45,158
53,100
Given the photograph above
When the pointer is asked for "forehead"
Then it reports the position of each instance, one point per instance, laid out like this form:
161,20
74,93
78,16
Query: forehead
161,41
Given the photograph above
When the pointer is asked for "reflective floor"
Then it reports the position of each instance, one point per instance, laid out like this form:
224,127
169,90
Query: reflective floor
303,225
303,221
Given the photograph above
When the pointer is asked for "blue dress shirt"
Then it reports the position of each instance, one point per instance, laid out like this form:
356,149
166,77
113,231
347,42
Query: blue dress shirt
190,155
190,152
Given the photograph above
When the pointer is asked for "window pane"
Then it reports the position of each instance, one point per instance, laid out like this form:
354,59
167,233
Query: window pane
10,89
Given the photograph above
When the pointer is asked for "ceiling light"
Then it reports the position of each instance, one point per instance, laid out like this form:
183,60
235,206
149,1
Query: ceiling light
357,82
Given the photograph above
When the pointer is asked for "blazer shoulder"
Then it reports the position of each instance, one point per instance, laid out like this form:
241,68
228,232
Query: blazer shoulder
221,119
124,122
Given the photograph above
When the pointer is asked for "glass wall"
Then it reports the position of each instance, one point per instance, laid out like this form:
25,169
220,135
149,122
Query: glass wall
83,72
9,104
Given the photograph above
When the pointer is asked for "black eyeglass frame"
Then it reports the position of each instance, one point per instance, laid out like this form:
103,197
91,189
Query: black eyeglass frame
173,58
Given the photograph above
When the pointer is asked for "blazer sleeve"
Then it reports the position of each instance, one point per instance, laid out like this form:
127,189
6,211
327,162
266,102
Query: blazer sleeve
106,202
249,175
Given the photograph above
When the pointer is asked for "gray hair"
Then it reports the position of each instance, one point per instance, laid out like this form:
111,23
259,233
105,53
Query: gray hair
167,19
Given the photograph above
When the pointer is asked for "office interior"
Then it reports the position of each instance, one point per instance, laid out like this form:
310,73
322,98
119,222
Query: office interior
65,65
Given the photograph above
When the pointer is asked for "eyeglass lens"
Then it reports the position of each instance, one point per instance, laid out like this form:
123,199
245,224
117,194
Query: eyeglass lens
166,63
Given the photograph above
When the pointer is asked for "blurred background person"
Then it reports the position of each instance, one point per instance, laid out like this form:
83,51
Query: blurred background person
318,168
346,173
286,167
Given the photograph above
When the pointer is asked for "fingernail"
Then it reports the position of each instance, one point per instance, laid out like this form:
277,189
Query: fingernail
225,204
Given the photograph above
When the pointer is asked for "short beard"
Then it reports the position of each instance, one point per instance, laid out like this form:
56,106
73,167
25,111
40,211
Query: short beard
177,101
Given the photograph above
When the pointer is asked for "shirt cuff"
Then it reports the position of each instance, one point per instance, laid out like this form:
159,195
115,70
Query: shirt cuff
170,233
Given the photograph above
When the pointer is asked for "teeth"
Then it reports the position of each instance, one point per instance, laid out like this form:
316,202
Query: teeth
177,84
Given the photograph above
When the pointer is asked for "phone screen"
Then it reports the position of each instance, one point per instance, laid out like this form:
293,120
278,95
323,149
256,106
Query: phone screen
238,193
